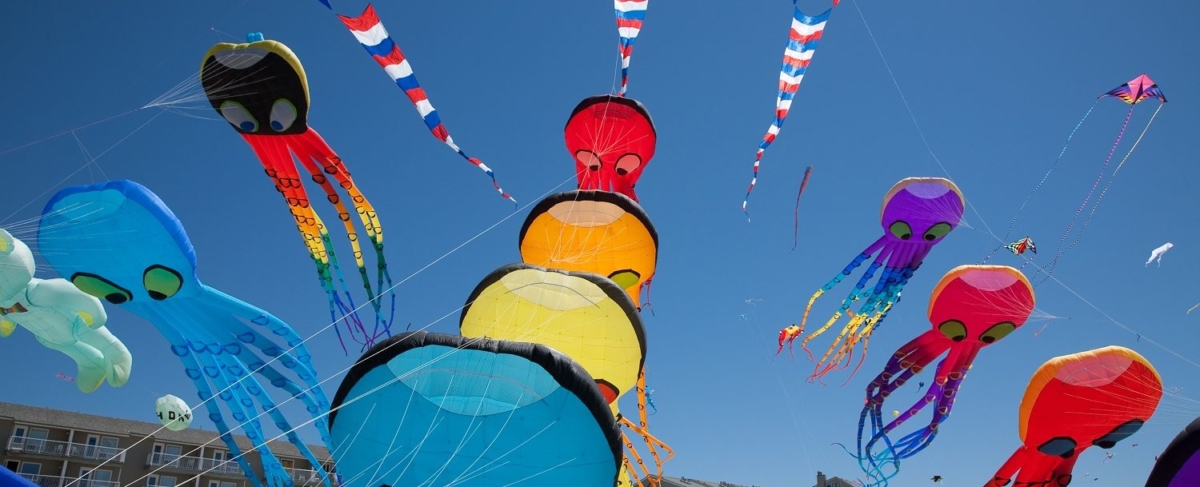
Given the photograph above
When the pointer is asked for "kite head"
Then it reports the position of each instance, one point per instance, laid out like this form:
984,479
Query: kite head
258,87
1098,397
16,266
980,304
612,139
118,242
1137,90
921,210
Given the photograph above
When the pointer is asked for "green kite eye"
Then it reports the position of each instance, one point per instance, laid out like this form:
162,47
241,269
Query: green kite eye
937,231
900,230
625,278
161,282
954,330
996,332
238,116
101,288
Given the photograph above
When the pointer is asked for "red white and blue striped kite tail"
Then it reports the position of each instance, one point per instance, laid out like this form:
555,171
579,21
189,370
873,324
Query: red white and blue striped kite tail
802,43
630,16
370,32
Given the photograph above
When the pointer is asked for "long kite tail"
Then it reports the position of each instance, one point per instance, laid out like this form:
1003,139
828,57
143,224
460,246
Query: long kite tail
630,16
1086,222
796,211
1029,196
803,37
1059,250
370,32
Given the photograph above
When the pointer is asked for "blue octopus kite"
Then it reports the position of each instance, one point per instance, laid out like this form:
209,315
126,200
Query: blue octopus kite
119,242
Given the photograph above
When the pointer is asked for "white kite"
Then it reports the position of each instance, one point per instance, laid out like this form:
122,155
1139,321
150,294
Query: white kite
1157,253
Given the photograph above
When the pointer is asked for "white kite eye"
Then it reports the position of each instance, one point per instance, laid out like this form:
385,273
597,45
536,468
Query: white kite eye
283,115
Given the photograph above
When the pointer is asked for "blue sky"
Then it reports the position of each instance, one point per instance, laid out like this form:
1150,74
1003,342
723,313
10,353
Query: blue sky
995,88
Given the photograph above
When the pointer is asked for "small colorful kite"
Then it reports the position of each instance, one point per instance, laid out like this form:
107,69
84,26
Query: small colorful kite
1020,246
788,335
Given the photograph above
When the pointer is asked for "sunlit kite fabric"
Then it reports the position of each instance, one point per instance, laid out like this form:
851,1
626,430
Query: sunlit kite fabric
973,306
430,409
373,36
586,316
119,242
60,317
917,214
631,14
1093,398
803,38
612,140
1179,464
261,89
1137,90
592,231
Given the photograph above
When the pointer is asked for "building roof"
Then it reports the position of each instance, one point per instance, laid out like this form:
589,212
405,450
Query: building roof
690,482
125,427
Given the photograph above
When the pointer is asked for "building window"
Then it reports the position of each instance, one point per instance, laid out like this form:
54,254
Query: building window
30,468
288,463
214,483
12,465
166,481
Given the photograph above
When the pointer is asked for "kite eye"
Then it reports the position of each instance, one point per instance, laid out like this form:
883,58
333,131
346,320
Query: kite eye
900,230
101,288
589,159
628,163
1119,433
954,330
283,115
997,331
238,116
1058,447
937,231
161,282
625,278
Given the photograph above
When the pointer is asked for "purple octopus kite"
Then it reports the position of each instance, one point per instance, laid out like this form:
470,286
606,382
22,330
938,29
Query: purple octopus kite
917,214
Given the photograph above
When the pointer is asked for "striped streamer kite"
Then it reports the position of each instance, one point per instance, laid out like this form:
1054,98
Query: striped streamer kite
630,16
370,32
802,43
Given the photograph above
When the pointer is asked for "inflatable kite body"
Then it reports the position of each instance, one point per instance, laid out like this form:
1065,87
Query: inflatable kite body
261,89
917,214
1179,464
973,306
60,316
430,409
612,139
592,231
119,242
1074,402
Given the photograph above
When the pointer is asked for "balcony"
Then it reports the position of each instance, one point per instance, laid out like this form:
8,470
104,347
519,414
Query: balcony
62,449
193,464
54,481
303,478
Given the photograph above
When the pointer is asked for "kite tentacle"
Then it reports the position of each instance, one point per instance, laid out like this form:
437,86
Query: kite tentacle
854,264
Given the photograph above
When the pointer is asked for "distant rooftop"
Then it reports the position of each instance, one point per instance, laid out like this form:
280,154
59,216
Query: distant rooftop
690,482
103,424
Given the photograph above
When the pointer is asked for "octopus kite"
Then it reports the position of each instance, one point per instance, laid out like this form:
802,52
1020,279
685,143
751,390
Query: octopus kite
60,316
917,214
119,242
973,306
1020,246
788,335
612,139
1074,402
260,88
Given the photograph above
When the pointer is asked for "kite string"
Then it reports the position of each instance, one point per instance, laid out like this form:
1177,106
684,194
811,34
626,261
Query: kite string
988,228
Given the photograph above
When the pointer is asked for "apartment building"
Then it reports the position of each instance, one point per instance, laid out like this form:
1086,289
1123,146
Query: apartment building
53,448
